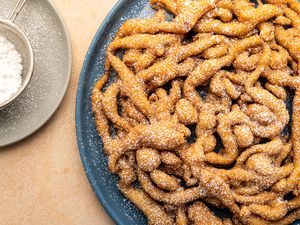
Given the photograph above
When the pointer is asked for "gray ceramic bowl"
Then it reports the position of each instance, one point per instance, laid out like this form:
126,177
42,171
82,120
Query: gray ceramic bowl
15,35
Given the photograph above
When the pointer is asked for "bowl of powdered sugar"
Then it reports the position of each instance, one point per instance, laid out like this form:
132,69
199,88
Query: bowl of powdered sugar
16,62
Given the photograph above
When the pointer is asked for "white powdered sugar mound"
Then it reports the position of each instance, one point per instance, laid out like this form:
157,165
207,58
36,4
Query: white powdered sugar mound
10,70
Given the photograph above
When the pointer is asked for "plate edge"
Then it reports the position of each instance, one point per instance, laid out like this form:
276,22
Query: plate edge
97,36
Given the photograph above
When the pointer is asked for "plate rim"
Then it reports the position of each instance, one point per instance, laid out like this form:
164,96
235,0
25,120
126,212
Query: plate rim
65,88
100,32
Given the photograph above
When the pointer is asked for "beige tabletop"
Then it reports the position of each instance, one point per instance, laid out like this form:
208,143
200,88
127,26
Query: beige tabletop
42,180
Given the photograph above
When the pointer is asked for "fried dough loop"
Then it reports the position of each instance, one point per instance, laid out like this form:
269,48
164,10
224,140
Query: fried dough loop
197,112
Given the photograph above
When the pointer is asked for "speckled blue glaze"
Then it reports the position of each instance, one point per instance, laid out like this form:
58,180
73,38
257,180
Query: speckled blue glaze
122,211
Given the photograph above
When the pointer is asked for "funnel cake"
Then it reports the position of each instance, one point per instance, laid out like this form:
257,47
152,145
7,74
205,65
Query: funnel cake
197,112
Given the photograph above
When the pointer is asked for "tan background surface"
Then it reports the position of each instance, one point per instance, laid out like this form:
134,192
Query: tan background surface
42,180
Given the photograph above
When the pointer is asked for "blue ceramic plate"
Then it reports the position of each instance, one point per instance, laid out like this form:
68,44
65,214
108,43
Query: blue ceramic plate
122,211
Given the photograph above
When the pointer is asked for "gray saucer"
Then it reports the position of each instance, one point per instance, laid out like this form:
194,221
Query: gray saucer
47,33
